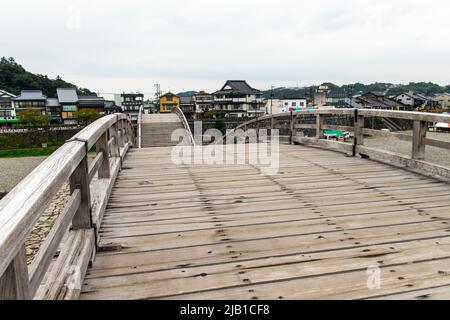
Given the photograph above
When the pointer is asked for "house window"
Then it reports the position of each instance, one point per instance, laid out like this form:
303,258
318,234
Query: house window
69,108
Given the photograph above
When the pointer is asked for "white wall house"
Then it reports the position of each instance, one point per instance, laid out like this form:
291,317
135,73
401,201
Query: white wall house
294,105
238,99
7,108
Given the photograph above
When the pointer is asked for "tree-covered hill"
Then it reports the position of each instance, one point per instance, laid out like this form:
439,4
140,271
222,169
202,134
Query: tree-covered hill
14,78
389,89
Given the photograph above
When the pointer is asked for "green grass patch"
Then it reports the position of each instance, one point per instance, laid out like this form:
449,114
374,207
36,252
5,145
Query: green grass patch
34,152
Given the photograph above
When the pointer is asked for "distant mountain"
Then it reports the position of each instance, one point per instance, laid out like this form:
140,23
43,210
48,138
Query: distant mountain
186,93
427,88
14,78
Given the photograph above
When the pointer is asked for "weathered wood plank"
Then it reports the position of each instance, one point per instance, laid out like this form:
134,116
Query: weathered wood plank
48,249
14,283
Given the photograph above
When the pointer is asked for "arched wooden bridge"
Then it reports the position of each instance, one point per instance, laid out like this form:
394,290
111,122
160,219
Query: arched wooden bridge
339,220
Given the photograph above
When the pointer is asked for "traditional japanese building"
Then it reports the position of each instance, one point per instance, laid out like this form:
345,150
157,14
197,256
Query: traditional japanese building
238,99
30,100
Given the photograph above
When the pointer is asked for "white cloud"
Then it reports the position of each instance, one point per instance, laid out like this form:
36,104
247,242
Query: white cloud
199,44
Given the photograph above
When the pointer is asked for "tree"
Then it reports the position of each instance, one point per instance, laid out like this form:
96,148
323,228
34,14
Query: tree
34,118
14,78
220,125
85,117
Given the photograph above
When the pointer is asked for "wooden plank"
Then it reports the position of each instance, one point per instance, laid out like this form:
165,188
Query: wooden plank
419,135
42,260
410,115
418,166
437,143
14,281
65,280
22,206
95,165
80,180
102,146
174,282
328,144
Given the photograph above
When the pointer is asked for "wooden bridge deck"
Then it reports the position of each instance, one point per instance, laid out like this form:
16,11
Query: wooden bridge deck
309,232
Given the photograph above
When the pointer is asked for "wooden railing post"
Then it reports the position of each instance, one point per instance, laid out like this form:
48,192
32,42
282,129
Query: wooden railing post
102,147
419,135
80,180
115,152
291,128
319,125
359,128
121,135
14,283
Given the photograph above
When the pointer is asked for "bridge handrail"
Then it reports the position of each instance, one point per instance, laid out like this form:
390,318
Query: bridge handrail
186,126
22,207
419,139
139,131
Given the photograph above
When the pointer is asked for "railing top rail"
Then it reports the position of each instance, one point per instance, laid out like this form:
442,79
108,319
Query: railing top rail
23,205
93,132
182,117
407,115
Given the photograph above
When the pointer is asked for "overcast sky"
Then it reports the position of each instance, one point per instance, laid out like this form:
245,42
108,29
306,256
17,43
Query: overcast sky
114,46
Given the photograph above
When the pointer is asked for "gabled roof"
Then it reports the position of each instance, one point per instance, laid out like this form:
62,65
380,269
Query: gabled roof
237,87
6,94
187,100
31,95
52,102
67,95
91,101
168,94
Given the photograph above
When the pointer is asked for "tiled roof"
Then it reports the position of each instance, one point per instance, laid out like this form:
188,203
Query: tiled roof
237,87
52,102
67,95
31,95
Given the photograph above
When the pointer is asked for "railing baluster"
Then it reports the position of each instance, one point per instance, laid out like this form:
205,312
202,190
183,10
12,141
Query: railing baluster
419,136
14,284
319,124
359,128
102,147
80,180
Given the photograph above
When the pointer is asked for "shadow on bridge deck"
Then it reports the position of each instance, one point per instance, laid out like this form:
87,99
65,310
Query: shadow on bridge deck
326,226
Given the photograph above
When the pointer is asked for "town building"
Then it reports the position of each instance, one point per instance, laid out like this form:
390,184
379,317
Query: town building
203,102
444,100
91,103
168,101
131,103
68,99
30,100
150,107
416,101
53,109
274,106
294,104
7,109
111,107
377,100
238,99
187,105
337,99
